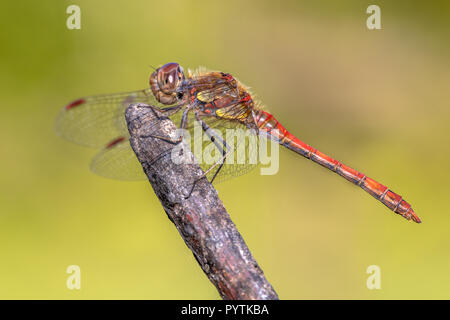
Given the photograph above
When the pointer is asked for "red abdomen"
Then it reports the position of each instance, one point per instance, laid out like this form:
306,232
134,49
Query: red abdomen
275,131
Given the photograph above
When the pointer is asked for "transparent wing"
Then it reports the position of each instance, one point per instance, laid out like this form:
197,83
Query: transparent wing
118,161
243,157
95,121
235,135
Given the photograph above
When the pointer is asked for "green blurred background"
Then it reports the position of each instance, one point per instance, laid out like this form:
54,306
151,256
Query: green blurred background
376,100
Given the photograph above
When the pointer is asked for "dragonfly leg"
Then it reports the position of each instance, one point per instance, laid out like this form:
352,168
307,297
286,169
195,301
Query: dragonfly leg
184,118
167,113
166,139
220,144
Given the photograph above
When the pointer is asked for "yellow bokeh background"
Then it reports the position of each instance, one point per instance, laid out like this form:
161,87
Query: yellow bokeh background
378,100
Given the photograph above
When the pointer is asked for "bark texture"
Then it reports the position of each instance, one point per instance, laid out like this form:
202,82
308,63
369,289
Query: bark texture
200,218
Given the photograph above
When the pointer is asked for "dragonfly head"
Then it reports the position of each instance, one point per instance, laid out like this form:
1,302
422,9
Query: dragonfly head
165,81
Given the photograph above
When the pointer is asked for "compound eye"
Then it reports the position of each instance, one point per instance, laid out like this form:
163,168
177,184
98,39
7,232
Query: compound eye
169,79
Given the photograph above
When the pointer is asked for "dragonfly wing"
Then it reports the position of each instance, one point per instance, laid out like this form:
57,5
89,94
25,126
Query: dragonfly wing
118,161
244,143
237,136
95,121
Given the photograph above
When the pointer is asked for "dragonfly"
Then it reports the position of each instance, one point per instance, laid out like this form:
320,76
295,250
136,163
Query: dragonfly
213,100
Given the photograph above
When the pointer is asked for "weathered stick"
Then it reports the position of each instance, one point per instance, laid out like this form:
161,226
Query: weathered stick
201,218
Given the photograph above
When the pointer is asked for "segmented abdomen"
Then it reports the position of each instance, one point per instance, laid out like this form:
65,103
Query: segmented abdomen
275,131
